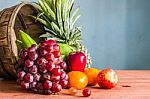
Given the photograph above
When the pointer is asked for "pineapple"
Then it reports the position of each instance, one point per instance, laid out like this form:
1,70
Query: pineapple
59,19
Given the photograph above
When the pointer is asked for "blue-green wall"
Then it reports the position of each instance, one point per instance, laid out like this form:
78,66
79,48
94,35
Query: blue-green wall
116,32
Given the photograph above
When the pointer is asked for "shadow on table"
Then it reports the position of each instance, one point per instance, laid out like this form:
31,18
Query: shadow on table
10,86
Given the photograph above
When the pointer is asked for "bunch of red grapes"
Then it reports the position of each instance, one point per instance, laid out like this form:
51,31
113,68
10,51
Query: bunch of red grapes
41,68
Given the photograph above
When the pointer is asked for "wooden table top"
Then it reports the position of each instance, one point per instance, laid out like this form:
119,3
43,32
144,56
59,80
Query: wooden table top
133,84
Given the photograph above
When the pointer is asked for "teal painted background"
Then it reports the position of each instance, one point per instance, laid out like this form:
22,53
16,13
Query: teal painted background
116,32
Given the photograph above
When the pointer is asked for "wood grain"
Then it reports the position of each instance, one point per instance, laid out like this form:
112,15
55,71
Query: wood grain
133,84
12,20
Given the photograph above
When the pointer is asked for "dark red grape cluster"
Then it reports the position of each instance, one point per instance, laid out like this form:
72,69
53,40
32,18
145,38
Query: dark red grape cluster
41,68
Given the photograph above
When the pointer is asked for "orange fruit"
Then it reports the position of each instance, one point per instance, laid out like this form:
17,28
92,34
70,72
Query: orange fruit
77,79
92,75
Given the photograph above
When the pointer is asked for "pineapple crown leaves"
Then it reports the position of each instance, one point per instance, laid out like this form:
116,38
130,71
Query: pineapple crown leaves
59,20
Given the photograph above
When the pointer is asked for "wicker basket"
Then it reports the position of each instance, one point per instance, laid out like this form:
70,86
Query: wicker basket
11,21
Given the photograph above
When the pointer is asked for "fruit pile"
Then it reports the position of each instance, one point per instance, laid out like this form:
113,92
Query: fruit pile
106,79
41,68
62,61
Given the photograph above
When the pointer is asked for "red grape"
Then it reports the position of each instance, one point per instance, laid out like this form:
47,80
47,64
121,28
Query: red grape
50,66
28,78
47,85
42,51
63,65
46,76
56,71
41,61
28,63
21,75
56,47
33,84
24,85
41,68
33,69
33,56
49,57
64,83
56,54
37,77
55,78
23,54
49,48
43,44
56,87
86,92
50,42
32,48
63,75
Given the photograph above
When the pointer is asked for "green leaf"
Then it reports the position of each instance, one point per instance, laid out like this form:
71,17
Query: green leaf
71,6
49,2
49,11
45,35
39,15
65,49
67,22
58,39
19,45
54,5
52,36
76,35
64,58
55,27
59,18
74,20
51,32
42,8
17,58
67,34
44,17
73,17
40,3
59,15
61,31
42,21
27,41
65,10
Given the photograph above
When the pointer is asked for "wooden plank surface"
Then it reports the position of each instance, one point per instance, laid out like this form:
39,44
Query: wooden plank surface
133,84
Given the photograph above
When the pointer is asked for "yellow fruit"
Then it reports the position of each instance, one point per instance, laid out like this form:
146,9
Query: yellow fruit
77,79
92,75
72,91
